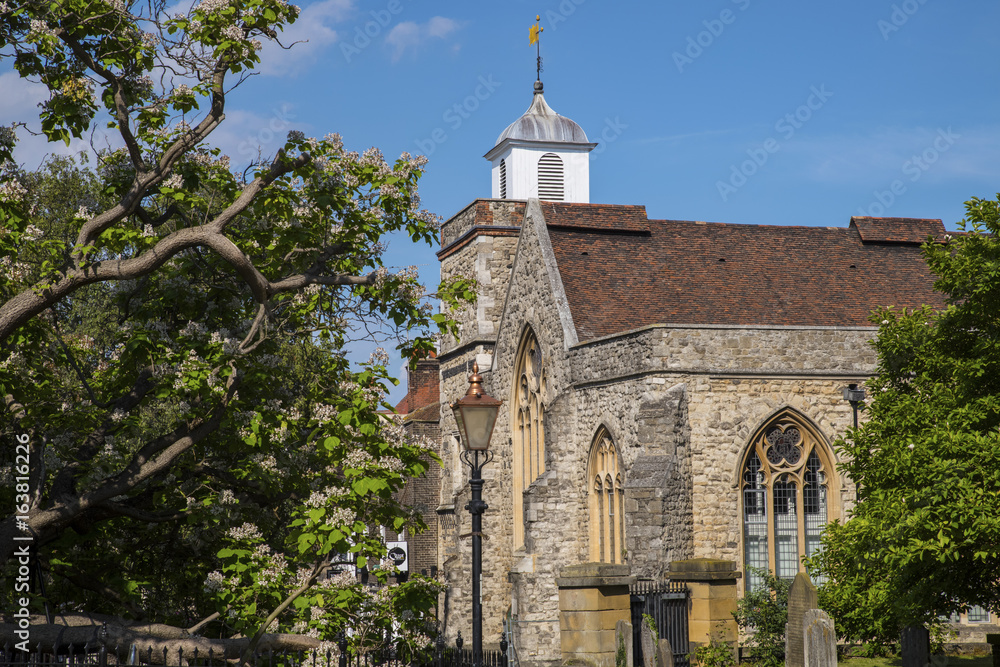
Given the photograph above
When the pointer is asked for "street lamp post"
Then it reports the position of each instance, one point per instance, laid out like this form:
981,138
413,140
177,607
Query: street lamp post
476,415
854,396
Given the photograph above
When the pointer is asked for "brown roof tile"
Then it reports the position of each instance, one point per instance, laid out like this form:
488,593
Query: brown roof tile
897,230
619,278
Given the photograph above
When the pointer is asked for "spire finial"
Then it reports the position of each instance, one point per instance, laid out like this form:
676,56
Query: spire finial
533,35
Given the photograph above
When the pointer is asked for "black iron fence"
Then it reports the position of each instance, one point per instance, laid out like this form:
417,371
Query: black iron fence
98,654
667,603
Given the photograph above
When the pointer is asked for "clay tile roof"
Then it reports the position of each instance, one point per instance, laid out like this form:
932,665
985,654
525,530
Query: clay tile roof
620,277
897,230
596,216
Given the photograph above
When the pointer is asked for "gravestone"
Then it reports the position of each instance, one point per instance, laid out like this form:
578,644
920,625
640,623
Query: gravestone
664,654
915,642
648,644
623,638
819,641
802,597
993,639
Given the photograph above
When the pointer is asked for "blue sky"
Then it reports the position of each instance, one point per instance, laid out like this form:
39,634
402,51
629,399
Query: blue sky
738,111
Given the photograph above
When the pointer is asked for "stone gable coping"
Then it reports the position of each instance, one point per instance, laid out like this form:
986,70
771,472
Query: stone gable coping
535,217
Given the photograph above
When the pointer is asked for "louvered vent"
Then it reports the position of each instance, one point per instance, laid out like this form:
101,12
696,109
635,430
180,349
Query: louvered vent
550,177
503,179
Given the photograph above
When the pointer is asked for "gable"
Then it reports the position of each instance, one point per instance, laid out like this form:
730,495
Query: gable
622,271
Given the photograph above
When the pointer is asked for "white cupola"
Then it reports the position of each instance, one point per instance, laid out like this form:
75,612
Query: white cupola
543,155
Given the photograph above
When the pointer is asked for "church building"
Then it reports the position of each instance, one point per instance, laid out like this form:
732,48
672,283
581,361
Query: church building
671,388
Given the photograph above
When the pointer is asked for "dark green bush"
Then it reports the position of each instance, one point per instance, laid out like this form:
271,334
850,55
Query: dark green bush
762,615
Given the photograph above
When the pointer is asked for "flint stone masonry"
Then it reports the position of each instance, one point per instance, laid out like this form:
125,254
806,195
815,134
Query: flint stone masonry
820,640
749,350
479,243
802,598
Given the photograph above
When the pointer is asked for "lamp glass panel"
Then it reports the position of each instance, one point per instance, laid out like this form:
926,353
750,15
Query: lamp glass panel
477,425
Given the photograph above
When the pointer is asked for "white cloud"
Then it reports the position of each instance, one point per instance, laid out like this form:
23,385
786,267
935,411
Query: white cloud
409,35
311,34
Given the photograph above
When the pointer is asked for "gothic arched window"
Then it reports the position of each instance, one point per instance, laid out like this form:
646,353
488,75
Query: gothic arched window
606,500
529,432
550,177
785,485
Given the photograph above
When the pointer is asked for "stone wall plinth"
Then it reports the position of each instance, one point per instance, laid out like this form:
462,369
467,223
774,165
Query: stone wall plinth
593,597
713,598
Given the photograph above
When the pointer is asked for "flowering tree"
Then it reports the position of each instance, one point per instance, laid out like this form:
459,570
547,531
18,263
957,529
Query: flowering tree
172,333
923,540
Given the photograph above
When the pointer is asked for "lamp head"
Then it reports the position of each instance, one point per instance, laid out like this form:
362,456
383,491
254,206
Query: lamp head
476,414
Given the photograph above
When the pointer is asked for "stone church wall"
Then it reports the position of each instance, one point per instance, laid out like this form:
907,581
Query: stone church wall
550,509
680,403
724,413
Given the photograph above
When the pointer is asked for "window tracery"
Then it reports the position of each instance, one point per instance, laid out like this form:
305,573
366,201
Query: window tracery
785,485
529,429
606,500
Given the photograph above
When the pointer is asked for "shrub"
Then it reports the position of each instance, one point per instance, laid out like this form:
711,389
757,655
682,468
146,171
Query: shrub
718,653
762,615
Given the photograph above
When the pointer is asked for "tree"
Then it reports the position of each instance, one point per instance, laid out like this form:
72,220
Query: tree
923,540
173,332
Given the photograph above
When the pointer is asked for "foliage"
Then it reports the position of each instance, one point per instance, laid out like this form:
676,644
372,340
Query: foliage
650,623
762,615
923,540
621,655
717,653
173,331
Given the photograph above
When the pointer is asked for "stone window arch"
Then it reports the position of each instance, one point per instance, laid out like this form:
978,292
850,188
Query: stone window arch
787,487
606,500
528,425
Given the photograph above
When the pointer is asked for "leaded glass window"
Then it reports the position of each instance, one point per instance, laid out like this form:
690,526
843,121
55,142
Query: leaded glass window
784,493
607,501
529,434
978,615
